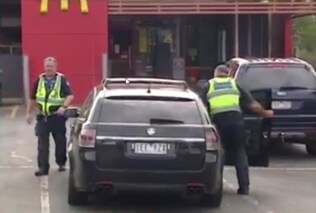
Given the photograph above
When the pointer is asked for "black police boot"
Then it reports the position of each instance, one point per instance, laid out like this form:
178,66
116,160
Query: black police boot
61,168
243,190
41,172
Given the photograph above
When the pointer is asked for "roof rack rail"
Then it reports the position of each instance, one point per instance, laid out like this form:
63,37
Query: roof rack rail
147,81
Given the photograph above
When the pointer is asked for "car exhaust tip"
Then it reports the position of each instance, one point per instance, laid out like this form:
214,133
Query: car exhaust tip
104,189
194,190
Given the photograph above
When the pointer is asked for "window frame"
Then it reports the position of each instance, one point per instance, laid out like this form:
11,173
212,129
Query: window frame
87,104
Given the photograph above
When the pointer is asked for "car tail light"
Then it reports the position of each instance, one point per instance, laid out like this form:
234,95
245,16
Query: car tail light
87,138
212,140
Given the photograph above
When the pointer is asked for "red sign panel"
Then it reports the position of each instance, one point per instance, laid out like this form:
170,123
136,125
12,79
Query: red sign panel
74,33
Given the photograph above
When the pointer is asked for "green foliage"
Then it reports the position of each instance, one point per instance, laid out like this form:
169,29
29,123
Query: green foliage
304,36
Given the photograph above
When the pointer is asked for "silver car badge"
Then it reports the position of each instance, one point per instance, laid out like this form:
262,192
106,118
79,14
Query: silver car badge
151,131
280,93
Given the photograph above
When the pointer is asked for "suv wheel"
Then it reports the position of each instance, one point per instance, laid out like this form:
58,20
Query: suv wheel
213,200
75,197
311,148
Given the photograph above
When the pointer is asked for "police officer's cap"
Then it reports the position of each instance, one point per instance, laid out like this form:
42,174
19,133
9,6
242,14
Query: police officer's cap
222,69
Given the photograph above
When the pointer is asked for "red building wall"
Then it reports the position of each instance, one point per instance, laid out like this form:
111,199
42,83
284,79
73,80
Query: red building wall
77,40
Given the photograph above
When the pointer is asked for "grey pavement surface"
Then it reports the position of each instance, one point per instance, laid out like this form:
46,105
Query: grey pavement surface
288,186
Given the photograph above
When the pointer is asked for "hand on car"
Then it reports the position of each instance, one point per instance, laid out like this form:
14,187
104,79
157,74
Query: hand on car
268,113
61,110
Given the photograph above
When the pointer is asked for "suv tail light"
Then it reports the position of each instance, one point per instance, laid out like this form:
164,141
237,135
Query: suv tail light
212,142
87,137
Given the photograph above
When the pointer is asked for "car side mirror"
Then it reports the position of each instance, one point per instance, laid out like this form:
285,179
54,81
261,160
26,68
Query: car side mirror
71,112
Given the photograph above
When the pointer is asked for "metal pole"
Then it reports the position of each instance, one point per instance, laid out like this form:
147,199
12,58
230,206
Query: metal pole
249,36
105,66
261,35
178,37
222,45
236,34
219,46
270,35
26,80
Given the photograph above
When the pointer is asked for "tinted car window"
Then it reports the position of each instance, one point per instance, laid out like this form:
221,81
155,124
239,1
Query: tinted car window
85,109
275,76
144,111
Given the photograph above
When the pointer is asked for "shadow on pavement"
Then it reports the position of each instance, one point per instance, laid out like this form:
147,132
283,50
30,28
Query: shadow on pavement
292,155
289,150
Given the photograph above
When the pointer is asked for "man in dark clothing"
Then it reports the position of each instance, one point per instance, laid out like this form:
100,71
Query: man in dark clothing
52,95
223,98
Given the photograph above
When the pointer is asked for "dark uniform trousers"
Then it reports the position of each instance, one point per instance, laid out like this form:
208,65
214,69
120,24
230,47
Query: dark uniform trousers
57,126
232,131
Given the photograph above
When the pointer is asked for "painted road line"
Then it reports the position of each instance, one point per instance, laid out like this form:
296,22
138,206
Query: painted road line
25,167
278,169
249,199
14,155
45,206
14,111
15,167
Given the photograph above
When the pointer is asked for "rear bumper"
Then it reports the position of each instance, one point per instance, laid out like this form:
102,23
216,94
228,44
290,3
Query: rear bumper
293,135
293,128
87,177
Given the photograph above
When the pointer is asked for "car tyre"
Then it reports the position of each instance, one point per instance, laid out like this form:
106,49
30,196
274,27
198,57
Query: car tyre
263,158
75,198
213,200
311,149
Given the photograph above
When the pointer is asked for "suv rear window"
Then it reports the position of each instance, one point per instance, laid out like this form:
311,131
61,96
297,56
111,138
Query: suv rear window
275,76
129,110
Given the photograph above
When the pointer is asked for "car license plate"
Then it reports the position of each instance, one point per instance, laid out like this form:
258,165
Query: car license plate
150,148
281,105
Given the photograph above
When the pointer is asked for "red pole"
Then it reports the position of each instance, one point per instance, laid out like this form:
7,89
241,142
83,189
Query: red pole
288,46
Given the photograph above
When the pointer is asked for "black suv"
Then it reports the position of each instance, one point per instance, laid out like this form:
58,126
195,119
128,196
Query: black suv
288,86
144,134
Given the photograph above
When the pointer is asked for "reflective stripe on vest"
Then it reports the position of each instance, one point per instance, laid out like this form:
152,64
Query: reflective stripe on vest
53,99
223,95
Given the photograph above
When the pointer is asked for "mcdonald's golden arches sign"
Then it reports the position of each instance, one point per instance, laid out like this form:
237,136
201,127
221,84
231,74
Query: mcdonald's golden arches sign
64,5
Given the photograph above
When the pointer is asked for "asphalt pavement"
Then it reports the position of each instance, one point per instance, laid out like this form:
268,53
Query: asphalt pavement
287,186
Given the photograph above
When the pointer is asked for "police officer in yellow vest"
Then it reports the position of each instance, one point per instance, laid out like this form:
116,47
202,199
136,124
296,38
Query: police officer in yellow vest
224,97
52,95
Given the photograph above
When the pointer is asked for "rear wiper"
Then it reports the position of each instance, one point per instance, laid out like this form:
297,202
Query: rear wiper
292,87
164,121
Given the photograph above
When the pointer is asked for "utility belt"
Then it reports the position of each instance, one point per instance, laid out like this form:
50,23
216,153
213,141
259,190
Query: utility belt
41,117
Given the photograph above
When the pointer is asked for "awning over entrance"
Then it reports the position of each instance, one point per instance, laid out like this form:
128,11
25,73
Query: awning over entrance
150,7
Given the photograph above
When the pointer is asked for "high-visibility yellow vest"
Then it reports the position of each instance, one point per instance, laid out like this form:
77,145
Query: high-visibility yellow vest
223,95
48,99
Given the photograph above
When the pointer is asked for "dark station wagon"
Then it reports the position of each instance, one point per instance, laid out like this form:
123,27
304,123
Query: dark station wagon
144,135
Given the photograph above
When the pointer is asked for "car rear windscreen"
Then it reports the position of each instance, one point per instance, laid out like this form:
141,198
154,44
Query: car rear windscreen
150,111
275,76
